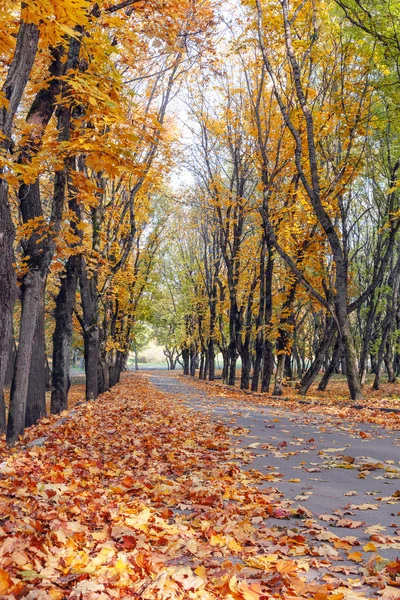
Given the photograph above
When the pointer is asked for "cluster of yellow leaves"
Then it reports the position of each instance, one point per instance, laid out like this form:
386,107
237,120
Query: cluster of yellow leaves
56,18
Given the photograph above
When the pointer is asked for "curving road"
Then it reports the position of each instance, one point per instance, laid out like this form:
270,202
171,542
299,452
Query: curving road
347,475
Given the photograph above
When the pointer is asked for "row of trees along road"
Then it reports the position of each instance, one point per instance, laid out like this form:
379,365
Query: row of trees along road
85,148
284,248
291,258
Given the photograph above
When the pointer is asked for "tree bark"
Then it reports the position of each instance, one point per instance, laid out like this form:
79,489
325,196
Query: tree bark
62,338
279,375
268,366
315,367
185,358
32,293
91,333
36,396
13,89
332,367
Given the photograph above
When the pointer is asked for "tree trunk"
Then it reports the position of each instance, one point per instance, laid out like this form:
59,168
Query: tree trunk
185,358
192,362
315,367
350,354
32,296
92,355
299,366
268,366
366,341
332,367
211,360
117,368
91,333
8,292
280,369
389,363
62,338
201,368
105,367
225,365
206,364
39,251
288,371
246,366
259,345
232,359
11,363
13,89
36,397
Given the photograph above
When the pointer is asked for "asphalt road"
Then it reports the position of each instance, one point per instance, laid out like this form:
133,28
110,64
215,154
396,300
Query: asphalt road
347,475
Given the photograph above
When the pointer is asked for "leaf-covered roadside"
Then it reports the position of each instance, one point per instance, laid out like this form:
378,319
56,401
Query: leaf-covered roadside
136,496
380,407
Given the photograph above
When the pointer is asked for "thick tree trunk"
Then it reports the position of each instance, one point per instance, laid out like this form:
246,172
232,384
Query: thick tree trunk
36,397
32,296
62,338
246,366
186,360
350,354
268,366
288,371
8,291
225,365
13,89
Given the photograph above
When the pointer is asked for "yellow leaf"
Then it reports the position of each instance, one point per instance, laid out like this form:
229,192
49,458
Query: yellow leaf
233,545
68,30
356,556
370,547
5,582
121,563
217,540
294,480
201,572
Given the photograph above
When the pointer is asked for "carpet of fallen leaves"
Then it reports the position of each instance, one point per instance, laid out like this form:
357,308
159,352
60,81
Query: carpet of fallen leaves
135,496
381,407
